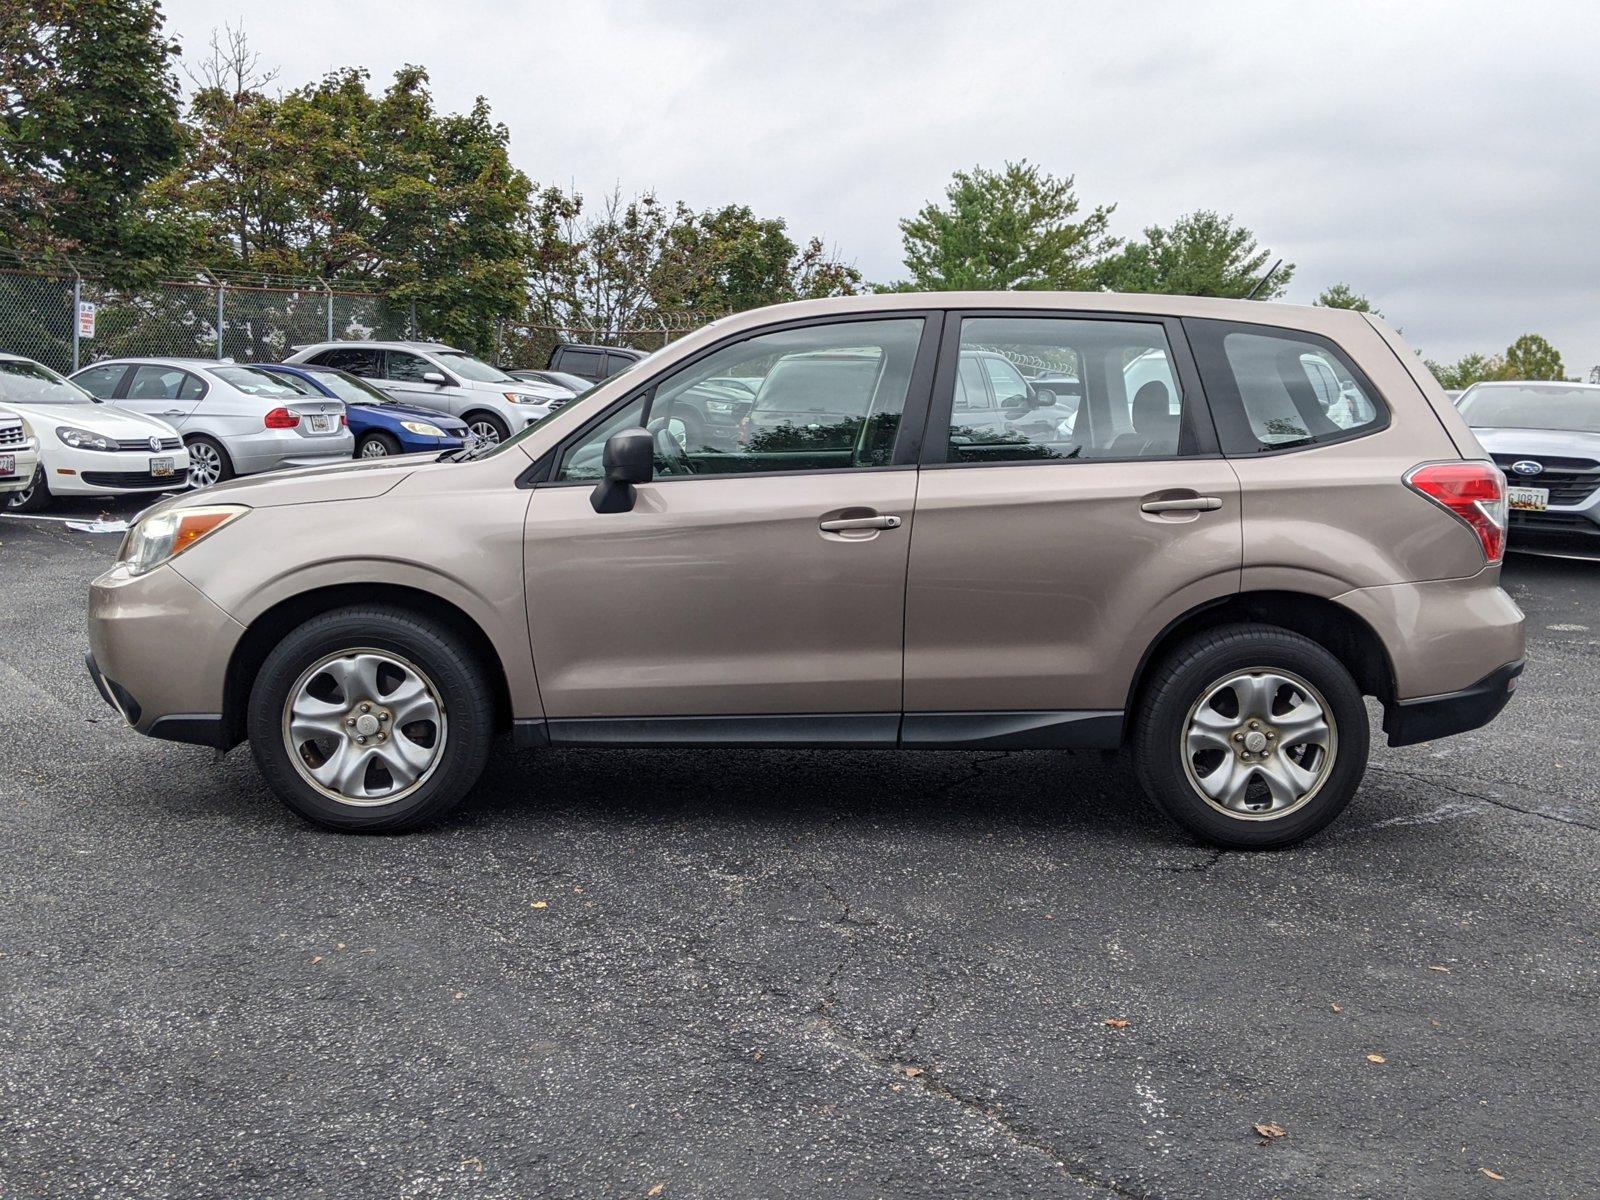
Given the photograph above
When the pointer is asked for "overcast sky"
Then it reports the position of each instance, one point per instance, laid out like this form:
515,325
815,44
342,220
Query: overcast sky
1442,158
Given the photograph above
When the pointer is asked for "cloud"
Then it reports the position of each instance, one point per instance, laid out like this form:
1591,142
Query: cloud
1442,158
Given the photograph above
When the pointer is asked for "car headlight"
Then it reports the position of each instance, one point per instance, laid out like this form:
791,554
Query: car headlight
83,439
422,428
519,398
162,537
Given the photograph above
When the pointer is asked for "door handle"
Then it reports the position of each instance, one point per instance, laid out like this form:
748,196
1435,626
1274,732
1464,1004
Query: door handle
1187,504
171,412
846,524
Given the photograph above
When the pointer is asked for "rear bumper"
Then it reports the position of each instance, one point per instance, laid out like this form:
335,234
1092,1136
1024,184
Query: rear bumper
1408,722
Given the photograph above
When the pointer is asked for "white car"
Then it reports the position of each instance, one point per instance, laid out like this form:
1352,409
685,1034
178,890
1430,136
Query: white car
85,448
433,375
19,455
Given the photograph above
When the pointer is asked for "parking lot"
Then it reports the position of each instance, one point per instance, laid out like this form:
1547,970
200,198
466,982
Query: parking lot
801,974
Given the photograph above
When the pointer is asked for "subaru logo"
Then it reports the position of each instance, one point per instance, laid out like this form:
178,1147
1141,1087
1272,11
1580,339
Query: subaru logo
155,443
1528,467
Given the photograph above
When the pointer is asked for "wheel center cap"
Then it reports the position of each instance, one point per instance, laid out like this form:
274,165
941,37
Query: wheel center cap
366,724
1255,741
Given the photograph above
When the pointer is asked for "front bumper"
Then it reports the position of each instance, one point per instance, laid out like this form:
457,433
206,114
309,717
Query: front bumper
70,472
1408,722
27,456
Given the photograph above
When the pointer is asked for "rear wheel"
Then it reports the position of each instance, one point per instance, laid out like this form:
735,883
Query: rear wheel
371,719
377,445
487,428
208,461
33,498
1251,737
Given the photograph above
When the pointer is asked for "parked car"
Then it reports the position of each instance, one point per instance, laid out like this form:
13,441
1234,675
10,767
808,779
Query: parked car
379,425
1217,601
85,448
19,455
593,363
575,384
234,420
442,378
1546,437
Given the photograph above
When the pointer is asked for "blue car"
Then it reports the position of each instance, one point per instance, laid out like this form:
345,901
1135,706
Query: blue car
381,426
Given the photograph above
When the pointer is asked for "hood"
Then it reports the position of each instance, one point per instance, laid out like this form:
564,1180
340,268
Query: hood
542,392
1531,443
414,412
357,479
105,419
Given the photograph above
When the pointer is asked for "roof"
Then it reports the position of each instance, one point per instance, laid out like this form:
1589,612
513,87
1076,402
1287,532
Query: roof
435,347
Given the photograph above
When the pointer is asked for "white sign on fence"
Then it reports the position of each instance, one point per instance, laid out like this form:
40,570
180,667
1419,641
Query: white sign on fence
85,318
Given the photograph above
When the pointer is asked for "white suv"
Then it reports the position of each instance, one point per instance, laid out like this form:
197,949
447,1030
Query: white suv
19,456
492,403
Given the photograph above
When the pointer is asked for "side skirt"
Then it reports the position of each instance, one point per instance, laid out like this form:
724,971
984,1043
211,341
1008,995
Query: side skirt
1076,730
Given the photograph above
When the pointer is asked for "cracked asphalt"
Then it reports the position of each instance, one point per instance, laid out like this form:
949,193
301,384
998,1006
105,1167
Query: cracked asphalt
791,974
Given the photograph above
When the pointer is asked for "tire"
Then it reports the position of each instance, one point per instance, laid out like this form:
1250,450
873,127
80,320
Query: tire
1286,791
341,645
377,445
486,426
33,498
208,461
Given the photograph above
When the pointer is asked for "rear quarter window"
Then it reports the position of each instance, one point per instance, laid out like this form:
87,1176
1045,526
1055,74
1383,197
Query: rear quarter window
1277,389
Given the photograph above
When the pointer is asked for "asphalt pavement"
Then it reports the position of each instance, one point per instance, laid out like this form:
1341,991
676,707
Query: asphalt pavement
791,974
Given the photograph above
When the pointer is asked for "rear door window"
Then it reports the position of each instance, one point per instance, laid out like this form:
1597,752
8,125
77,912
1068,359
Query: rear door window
358,360
1278,389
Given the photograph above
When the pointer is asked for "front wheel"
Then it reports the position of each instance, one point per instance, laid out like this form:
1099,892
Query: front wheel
377,445
487,428
1251,737
371,719
33,498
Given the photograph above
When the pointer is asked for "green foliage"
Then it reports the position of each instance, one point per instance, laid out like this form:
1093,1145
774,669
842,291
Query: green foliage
1532,357
1470,369
1340,295
88,116
1200,254
1016,228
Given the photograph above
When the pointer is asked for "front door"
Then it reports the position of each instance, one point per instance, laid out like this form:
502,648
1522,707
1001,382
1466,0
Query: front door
403,379
1056,540
756,589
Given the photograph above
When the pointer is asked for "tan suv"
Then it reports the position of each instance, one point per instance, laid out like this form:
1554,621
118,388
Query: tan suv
818,525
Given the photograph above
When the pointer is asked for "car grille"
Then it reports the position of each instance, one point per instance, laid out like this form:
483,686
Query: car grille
171,443
133,479
1570,480
1537,522
11,435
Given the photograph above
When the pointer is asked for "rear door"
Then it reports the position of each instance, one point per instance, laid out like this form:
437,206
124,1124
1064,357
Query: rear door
1052,547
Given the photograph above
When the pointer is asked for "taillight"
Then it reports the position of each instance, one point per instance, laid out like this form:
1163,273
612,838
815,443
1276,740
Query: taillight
1473,491
282,418
344,421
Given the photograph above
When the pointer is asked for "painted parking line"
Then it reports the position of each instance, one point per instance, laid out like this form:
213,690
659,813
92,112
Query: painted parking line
77,523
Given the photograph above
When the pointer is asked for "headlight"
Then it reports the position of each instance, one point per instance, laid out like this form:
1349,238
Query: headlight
154,540
519,398
82,439
422,428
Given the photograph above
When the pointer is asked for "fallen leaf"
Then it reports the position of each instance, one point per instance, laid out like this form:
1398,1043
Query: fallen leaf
1441,969
1117,1023
460,996
540,904
1335,1008
1490,1174
657,1190
338,945
911,1072
316,960
1270,1130
1377,1058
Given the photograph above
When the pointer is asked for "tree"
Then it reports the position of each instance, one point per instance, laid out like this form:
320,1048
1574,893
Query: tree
1466,371
89,115
1531,357
1340,295
1200,254
1016,228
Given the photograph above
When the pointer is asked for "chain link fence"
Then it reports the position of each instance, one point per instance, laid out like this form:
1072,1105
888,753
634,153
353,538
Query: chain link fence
45,315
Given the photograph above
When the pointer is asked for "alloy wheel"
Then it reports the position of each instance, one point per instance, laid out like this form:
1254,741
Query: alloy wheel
1259,743
374,448
205,465
486,432
364,727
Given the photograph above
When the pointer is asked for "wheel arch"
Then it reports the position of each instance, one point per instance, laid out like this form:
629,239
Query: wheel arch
271,625
1345,635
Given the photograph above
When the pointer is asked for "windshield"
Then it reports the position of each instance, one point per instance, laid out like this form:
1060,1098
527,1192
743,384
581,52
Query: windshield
471,368
1574,409
29,383
350,389
255,382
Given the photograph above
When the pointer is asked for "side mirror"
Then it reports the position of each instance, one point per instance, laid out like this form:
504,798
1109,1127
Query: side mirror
435,378
629,458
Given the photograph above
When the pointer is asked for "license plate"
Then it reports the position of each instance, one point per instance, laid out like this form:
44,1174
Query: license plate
321,424
160,466
8,464
1527,499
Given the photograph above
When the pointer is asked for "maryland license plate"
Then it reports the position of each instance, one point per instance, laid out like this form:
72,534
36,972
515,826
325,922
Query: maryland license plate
160,467
1528,499
321,424
8,464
